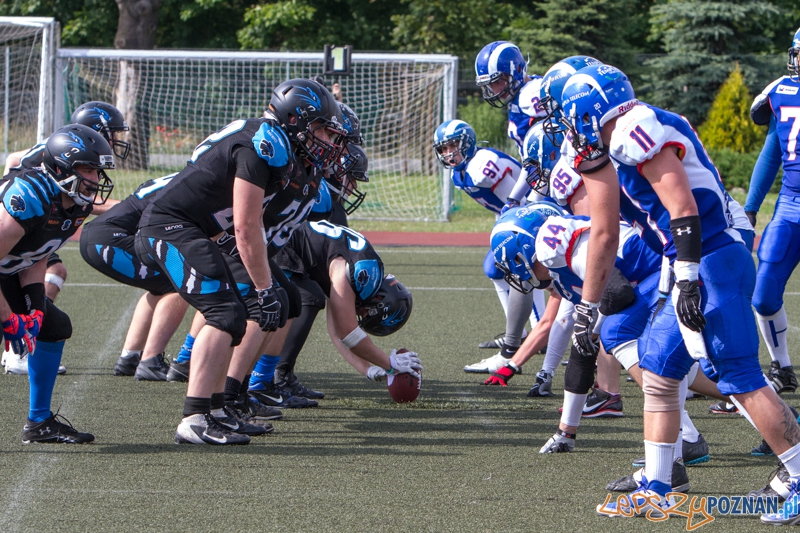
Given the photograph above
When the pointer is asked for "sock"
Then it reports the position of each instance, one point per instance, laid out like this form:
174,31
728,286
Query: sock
573,408
42,372
508,351
193,405
245,384
185,353
678,449
263,371
560,334
232,386
690,433
217,400
502,289
519,306
791,460
127,354
658,461
773,329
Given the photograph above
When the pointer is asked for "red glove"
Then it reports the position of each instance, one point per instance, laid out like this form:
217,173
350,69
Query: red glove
502,375
33,322
16,336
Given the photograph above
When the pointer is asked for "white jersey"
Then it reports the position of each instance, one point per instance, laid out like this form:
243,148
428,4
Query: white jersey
564,182
489,178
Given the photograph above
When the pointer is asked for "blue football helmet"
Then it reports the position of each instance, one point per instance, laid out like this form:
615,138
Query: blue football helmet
388,310
591,97
794,55
514,247
497,61
540,156
459,132
553,83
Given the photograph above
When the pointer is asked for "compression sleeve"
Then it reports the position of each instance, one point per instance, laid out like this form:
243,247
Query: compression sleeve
769,161
520,190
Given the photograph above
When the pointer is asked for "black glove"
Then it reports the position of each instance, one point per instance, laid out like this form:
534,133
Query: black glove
270,317
283,298
586,315
688,305
751,216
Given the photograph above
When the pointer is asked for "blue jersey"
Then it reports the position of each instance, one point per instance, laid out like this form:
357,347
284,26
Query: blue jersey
779,106
524,111
489,178
562,246
641,133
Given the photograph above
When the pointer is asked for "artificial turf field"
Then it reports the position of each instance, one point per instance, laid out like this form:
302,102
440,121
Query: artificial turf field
463,457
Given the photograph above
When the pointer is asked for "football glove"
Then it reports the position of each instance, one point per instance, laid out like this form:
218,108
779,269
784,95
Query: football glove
270,313
404,362
686,296
33,322
376,373
16,336
586,315
502,375
751,216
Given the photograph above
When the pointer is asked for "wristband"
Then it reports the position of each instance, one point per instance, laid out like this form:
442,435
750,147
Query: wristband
354,337
515,367
688,238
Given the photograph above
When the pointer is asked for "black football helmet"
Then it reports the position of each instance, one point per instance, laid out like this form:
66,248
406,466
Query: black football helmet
387,311
351,168
351,124
74,145
303,108
105,119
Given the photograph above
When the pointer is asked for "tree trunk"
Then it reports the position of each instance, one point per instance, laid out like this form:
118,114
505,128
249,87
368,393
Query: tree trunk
138,21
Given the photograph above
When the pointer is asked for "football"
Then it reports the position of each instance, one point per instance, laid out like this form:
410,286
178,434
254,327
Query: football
403,388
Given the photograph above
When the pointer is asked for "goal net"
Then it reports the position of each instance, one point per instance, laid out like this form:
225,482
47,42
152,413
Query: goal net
172,100
27,46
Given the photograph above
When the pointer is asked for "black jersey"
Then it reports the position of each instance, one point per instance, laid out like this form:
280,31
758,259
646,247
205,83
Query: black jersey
33,158
256,150
126,214
34,201
314,245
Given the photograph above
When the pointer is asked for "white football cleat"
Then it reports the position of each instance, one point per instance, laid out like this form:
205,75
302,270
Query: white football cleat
18,365
489,365
559,443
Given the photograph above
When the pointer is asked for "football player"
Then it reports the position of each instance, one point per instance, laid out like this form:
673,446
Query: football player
488,176
779,251
656,159
501,74
247,172
42,208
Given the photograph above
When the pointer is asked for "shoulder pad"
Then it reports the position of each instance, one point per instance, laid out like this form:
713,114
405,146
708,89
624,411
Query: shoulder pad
482,168
529,98
637,137
272,145
21,200
761,110
553,240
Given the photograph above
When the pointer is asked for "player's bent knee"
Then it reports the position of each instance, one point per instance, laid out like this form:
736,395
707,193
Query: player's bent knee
579,375
618,295
660,394
56,326
230,317
57,269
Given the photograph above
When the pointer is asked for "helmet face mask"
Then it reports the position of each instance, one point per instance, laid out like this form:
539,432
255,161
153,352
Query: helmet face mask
108,121
500,72
454,138
387,311
73,149
500,89
323,143
352,168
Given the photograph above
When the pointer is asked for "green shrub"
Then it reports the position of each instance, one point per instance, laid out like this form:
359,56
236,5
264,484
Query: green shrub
490,123
735,169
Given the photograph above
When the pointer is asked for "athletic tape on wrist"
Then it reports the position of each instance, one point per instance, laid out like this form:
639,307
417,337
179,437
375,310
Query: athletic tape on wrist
54,279
354,337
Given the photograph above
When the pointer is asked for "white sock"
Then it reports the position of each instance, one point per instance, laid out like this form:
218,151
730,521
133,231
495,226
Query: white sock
502,288
131,353
690,433
573,408
743,412
791,460
678,450
560,334
658,461
773,329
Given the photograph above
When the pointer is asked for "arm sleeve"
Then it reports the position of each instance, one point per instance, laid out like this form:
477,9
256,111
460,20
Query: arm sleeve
520,190
769,161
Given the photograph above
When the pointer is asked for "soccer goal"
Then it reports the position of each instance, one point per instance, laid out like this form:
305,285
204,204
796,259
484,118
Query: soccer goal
27,49
172,100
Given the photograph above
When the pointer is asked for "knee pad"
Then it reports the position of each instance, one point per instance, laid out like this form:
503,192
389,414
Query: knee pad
230,317
579,375
660,394
618,294
627,354
56,326
490,268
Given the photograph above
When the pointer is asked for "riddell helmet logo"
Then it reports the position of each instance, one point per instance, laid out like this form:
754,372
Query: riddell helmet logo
627,106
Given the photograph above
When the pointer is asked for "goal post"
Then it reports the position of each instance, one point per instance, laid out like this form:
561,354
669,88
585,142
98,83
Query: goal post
174,99
27,51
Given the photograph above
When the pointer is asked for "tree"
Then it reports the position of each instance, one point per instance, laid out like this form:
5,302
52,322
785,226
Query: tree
83,22
728,125
703,41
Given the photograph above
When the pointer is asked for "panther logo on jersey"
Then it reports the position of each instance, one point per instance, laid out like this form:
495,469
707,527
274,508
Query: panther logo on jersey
17,203
266,148
66,225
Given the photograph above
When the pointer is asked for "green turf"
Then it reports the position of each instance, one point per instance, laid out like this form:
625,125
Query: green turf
462,458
